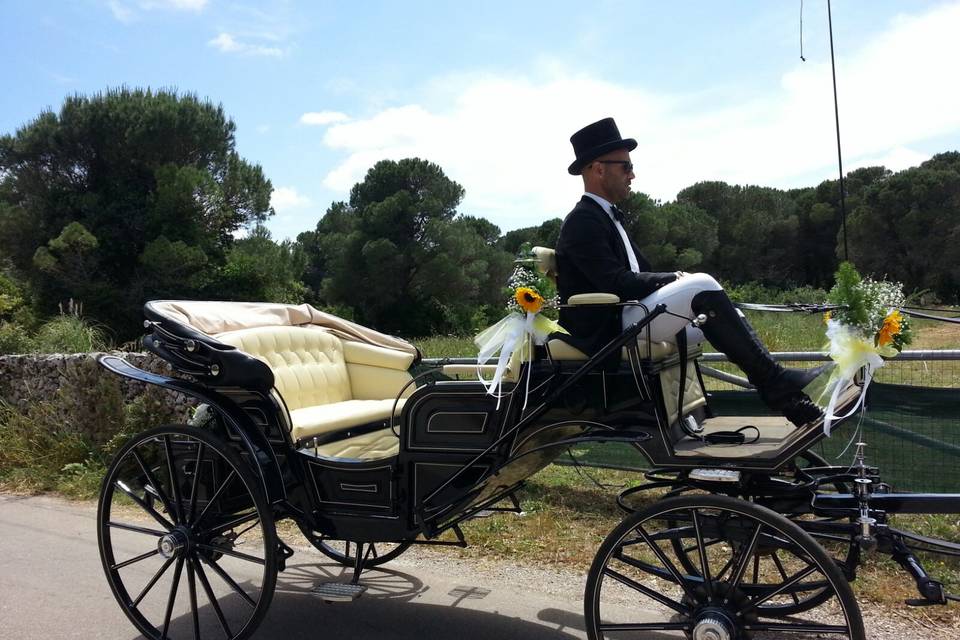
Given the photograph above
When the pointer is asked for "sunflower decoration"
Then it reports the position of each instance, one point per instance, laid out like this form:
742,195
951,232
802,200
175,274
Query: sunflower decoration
528,290
870,309
528,299
864,329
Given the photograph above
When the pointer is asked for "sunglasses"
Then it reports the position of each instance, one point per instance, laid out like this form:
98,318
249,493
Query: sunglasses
627,165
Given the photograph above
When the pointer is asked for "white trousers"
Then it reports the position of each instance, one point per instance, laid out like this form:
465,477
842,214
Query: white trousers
677,296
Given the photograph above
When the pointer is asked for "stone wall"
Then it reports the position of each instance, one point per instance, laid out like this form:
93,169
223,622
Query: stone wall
85,394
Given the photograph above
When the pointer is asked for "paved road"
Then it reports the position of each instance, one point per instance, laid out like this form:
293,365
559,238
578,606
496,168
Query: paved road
52,586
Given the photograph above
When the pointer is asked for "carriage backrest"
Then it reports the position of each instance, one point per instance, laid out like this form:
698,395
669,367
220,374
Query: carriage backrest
312,366
546,262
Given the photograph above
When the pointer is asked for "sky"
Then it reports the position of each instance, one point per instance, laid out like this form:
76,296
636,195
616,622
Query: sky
491,91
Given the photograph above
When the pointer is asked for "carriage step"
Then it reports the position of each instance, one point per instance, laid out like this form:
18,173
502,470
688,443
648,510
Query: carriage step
338,591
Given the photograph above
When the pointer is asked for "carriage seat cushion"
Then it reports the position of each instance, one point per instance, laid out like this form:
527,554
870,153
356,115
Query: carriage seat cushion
328,384
560,350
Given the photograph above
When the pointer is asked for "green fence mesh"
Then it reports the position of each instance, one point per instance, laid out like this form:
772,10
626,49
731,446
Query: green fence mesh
911,425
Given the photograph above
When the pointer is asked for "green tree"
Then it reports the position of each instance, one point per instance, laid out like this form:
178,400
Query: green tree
258,269
673,236
908,228
757,232
112,181
543,235
398,255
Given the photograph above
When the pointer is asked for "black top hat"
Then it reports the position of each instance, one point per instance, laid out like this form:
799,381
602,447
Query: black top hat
596,139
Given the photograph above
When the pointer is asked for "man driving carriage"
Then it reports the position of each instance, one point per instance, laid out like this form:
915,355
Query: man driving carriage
594,254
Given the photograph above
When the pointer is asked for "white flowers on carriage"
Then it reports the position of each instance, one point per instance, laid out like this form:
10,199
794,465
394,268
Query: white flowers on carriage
529,293
864,329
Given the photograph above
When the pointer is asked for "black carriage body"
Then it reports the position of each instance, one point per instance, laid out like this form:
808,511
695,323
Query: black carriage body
461,449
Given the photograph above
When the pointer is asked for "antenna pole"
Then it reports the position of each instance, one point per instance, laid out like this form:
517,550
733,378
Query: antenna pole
836,116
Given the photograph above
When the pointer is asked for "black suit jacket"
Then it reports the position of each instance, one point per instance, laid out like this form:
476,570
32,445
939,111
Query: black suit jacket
591,258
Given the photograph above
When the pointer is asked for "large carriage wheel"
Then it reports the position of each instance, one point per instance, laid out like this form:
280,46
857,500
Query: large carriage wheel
749,558
344,551
841,547
186,537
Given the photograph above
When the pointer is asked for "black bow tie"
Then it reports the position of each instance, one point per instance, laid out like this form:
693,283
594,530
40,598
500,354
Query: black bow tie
617,214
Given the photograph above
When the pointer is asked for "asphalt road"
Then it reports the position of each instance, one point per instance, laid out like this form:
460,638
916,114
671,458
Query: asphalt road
52,586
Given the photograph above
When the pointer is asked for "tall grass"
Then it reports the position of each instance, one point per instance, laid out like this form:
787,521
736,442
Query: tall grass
67,333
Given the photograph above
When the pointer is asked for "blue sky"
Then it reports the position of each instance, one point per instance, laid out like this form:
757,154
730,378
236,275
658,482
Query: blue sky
491,91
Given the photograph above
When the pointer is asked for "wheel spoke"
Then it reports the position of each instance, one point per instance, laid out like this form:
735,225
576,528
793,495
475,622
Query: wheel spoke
799,627
213,600
230,524
647,591
216,495
153,581
230,581
153,483
231,553
783,587
192,585
783,574
143,505
131,527
648,626
193,487
725,568
741,566
705,544
680,580
127,563
174,486
173,597
704,565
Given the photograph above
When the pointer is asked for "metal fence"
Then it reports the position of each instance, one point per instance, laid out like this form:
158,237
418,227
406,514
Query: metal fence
911,424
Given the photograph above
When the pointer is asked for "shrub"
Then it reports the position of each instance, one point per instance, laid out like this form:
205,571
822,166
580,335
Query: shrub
15,339
70,334
36,444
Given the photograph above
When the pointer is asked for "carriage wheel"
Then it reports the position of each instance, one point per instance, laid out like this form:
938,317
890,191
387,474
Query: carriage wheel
749,558
186,537
841,547
344,551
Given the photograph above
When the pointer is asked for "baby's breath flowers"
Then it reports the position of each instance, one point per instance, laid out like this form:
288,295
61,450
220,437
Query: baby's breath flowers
870,307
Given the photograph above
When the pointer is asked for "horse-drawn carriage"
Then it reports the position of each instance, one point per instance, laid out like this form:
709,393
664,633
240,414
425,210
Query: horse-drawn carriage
347,433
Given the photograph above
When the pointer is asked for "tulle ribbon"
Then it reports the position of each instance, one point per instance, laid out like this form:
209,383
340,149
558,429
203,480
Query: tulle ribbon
505,337
851,351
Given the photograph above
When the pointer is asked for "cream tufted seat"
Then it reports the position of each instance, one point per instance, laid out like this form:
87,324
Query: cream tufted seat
327,383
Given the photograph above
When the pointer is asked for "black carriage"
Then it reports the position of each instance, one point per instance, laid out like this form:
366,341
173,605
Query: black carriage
367,449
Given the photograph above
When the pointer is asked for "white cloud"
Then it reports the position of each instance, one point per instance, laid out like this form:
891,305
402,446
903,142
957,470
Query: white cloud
227,43
285,199
505,138
323,117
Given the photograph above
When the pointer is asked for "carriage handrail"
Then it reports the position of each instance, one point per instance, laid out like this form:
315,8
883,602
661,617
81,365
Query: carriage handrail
596,360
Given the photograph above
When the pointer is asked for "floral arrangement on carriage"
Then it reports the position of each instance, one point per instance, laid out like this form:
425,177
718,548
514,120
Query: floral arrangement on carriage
531,298
864,329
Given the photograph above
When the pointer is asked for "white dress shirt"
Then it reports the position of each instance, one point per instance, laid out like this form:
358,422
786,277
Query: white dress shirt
608,208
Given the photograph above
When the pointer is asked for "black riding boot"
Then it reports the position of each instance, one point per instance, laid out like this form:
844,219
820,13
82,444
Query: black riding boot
780,388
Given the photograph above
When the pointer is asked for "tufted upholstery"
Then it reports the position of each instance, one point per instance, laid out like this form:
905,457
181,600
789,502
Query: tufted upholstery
327,384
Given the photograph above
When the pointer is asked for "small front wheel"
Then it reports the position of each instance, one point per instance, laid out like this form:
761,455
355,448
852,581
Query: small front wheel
187,540
752,564
344,551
